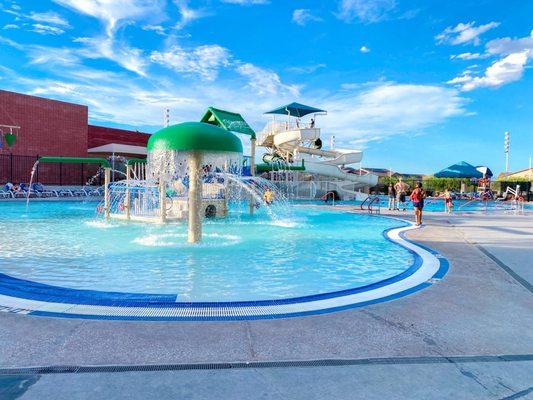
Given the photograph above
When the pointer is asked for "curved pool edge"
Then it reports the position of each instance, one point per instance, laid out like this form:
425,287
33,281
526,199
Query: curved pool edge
428,267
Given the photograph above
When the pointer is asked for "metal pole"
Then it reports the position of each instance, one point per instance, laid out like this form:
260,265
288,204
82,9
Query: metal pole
506,146
162,200
107,178
252,173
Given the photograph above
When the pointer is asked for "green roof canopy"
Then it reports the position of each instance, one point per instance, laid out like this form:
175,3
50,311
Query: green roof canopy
228,120
459,170
295,110
190,136
76,160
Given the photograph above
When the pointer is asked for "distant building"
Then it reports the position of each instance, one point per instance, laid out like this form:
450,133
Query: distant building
57,128
522,174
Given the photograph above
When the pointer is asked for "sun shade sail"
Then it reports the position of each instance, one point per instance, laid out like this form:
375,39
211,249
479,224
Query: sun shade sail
296,110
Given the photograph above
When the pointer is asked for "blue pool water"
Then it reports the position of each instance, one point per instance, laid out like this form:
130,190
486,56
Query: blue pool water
433,205
243,258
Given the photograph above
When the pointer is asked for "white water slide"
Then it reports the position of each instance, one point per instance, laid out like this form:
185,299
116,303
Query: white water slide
299,143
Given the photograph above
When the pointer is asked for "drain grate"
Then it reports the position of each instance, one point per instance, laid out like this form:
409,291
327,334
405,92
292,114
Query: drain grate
73,369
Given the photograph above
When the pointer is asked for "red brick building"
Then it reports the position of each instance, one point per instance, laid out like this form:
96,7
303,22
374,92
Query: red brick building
57,128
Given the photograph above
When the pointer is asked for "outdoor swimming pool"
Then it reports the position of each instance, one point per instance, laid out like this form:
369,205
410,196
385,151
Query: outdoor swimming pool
315,251
60,252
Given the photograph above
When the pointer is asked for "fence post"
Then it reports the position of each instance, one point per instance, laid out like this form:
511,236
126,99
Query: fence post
60,174
11,168
82,184
37,177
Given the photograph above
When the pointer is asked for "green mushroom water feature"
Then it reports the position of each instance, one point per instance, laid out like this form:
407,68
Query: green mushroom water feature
178,156
193,171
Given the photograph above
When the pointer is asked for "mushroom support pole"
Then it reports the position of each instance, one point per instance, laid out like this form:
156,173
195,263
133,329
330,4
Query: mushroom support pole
127,199
195,198
252,173
162,200
107,179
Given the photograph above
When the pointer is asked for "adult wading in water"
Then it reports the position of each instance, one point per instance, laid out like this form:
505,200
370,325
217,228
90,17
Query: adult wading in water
400,188
417,197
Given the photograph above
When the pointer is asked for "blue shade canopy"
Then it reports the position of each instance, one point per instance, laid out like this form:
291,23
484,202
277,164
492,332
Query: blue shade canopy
459,170
295,110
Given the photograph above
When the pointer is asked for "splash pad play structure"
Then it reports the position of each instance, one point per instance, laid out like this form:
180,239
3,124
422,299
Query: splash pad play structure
192,234
186,177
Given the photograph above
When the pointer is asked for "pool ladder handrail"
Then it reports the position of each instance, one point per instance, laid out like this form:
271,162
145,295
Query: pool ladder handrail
372,200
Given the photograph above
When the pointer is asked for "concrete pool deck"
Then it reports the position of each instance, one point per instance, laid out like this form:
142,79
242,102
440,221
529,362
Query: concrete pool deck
482,308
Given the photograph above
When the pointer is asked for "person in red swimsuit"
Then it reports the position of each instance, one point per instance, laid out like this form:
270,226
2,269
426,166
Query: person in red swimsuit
448,201
417,197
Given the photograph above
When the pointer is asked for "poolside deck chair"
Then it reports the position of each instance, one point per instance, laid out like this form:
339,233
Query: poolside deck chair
6,194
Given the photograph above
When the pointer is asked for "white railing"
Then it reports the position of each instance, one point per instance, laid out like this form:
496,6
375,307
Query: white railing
274,127
308,190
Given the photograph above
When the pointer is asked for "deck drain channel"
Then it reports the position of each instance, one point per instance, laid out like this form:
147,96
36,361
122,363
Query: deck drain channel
73,369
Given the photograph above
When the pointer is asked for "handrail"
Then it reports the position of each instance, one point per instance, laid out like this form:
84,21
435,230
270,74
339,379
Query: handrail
374,200
363,203
328,194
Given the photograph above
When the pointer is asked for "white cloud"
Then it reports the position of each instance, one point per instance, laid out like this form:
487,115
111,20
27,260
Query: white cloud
364,49
501,72
46,29
113,12
51,56
467,56
203,60
464,33
50,18
366,11
56,88
264,81
128,57
155,28
188,14
515,54
307,69
10,26
389,109
302,16
505,46
246,2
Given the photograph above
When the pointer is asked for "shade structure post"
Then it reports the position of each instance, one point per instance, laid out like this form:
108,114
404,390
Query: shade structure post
107,179
195,198
252,173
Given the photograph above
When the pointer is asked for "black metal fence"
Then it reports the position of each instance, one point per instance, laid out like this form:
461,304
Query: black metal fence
16,169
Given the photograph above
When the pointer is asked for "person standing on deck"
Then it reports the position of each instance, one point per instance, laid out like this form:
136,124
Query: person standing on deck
417,197
448,201
400,187
392,196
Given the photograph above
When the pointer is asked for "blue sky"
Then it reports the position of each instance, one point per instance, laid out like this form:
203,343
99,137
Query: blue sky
417,84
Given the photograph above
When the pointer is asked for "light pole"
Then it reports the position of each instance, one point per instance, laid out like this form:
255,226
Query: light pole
506,150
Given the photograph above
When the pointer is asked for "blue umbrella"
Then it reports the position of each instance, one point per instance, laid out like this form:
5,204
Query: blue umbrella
487,173
459,170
